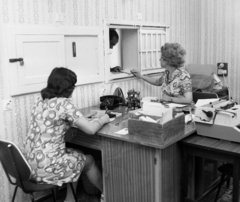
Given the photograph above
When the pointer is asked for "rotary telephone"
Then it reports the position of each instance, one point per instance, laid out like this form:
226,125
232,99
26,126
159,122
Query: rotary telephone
110,101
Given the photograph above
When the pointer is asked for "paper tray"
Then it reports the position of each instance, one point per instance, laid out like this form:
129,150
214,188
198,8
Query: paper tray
155,133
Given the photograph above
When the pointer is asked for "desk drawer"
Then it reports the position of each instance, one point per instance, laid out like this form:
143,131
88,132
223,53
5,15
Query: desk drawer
76,136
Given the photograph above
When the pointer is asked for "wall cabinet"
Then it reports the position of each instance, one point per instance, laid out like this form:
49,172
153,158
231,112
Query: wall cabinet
138,48
44,48
85,50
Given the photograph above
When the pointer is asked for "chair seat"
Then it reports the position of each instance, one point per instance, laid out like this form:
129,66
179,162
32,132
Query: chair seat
226,169
33,186
227,172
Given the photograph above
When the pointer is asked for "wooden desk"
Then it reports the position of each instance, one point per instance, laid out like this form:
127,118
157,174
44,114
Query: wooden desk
133,171
220,150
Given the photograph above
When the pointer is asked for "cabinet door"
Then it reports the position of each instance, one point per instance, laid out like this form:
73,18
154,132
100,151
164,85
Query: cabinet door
150,49
40,54
84,54
41,50
129,171
44,48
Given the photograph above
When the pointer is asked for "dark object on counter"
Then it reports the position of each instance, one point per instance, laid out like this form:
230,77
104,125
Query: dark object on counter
110,102
111,115
133,99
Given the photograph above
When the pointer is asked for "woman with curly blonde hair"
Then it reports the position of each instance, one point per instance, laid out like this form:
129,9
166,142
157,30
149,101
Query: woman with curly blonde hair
175,81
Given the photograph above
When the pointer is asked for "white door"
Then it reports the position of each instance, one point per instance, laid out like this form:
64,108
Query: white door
84,54
40,53
151,42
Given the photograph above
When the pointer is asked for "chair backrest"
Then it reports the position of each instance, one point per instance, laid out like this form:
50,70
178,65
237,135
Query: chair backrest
13,161
200,95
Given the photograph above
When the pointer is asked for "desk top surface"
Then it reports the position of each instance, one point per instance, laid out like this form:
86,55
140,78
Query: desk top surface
109,130
212,144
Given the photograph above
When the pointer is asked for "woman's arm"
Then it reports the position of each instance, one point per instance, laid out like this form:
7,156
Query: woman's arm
185,99
91,127
151,80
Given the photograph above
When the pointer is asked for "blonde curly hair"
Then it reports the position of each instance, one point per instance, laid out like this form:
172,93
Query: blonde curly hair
173,54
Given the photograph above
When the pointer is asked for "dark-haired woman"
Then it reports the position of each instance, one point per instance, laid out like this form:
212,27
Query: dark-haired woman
51,117
175,82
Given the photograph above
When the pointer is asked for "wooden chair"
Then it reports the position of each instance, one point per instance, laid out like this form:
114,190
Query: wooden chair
18,172
201,162
203,95
227,172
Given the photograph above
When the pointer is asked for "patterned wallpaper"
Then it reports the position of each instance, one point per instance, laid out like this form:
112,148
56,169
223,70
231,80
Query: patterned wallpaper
209,30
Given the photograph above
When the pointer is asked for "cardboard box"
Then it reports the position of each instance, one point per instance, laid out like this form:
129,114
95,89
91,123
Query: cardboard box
160,135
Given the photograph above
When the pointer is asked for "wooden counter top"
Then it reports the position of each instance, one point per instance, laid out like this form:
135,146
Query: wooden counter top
109,130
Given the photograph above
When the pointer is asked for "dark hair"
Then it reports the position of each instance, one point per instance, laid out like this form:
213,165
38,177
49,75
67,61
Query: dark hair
113,33
173,54
61,83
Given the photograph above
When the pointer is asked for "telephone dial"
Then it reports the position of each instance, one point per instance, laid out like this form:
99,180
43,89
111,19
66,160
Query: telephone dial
110,101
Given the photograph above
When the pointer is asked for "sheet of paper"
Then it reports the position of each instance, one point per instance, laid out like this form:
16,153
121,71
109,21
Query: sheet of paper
95,119
202,102
189,118
124,131
172,105
148,99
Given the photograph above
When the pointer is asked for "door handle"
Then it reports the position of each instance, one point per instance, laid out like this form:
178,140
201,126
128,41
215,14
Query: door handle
17,60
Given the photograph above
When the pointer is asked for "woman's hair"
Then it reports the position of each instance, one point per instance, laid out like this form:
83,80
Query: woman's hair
173,54
61,83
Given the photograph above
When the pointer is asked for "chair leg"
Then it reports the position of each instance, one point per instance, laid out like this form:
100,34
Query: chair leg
14,193
228,182
32,197
54,194
219,187
74,193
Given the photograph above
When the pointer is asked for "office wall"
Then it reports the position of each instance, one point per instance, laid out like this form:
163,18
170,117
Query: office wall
209,30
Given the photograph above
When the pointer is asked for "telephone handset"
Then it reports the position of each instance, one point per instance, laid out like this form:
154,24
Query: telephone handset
110,101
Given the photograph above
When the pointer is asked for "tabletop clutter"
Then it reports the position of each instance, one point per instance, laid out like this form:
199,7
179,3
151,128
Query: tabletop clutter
156,123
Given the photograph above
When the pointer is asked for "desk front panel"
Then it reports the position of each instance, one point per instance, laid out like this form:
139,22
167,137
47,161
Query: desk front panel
76,136
129,171
134,172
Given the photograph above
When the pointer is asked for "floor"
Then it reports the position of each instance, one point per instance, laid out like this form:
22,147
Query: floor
224,196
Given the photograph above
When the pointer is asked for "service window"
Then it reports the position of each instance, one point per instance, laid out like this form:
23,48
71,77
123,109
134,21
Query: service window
138,48
44,48
124,54
150,52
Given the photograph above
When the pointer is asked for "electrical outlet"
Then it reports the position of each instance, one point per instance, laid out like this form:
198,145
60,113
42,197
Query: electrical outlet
222,69
7,104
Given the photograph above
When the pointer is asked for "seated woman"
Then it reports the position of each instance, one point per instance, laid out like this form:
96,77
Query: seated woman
175,81
45,150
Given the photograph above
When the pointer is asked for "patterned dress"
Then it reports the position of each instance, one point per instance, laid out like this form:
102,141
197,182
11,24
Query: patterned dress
45,150
179,83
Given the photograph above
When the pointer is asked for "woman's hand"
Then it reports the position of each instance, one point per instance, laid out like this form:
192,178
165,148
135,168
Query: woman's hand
104,119
136,73
116,69
186,99
167,98
91,127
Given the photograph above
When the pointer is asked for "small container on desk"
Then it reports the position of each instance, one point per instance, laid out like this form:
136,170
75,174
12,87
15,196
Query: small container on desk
160,135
